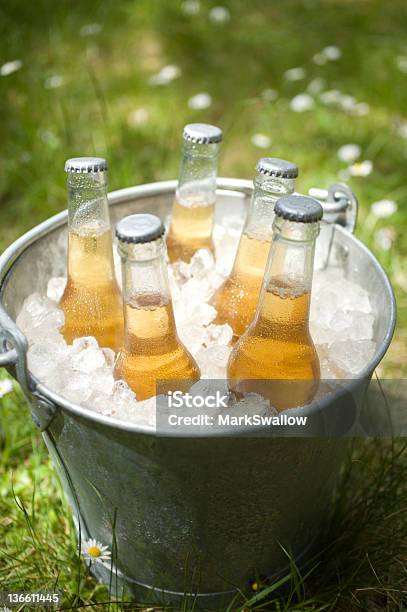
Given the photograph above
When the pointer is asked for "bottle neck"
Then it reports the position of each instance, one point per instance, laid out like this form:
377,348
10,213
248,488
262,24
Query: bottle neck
148,312
260,216
289,272
198,173
144,272
254,244
90,257
88,210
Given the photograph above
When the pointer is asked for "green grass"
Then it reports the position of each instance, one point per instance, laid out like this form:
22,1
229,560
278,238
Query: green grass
105,78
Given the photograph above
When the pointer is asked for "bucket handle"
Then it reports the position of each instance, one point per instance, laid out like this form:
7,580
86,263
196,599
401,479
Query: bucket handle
16,356
43,410
339,202
340,205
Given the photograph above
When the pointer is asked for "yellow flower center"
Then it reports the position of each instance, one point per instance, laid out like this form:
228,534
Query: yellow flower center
94,551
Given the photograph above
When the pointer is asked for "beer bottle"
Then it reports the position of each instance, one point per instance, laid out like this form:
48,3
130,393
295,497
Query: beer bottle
277,349
152,350
236,300
193,209
91,301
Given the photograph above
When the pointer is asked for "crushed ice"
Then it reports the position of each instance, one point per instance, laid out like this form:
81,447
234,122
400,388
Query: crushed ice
341,325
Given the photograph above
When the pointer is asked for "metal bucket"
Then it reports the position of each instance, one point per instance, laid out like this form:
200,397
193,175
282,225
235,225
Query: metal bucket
221,507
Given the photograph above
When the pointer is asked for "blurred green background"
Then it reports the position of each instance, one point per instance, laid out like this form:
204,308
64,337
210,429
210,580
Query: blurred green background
120,79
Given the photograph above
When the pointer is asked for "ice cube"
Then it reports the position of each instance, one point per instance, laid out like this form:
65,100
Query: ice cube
55,288
100,402
218,334
361,326
55,378
226,238
192,335
122,394
201,314
78,387
213,361
202,263
141,413
44,357
110,357
39,318
252,404
180,271
88,360
103,380
351,357
195,291
81,344
205,387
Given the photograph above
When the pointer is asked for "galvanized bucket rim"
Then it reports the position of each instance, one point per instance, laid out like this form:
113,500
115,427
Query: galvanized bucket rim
17,248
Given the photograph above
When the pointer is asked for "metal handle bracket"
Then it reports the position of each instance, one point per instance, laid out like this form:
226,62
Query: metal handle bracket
14,354
340,205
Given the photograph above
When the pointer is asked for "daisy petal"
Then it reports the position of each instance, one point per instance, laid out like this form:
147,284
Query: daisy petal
383,208
6,386
301,103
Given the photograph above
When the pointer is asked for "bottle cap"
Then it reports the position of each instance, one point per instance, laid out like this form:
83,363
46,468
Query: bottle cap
272,166
202,133
86,164
140,228
301,209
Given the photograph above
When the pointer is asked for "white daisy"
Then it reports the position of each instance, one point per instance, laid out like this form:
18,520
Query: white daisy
301,103
384,238
269,94
53,81
139,116
219,14
332,96
294,74
360,109
349,153
332,53
200,101
319,59
191,7
261,140
402,63
10,67
95,552
316,86
165,75
346,102
383,208
6,386
90,29
363,168
402,129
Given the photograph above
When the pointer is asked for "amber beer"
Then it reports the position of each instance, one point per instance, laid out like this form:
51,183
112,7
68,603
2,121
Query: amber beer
152,352
193,210
236,300
276,356
91,301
